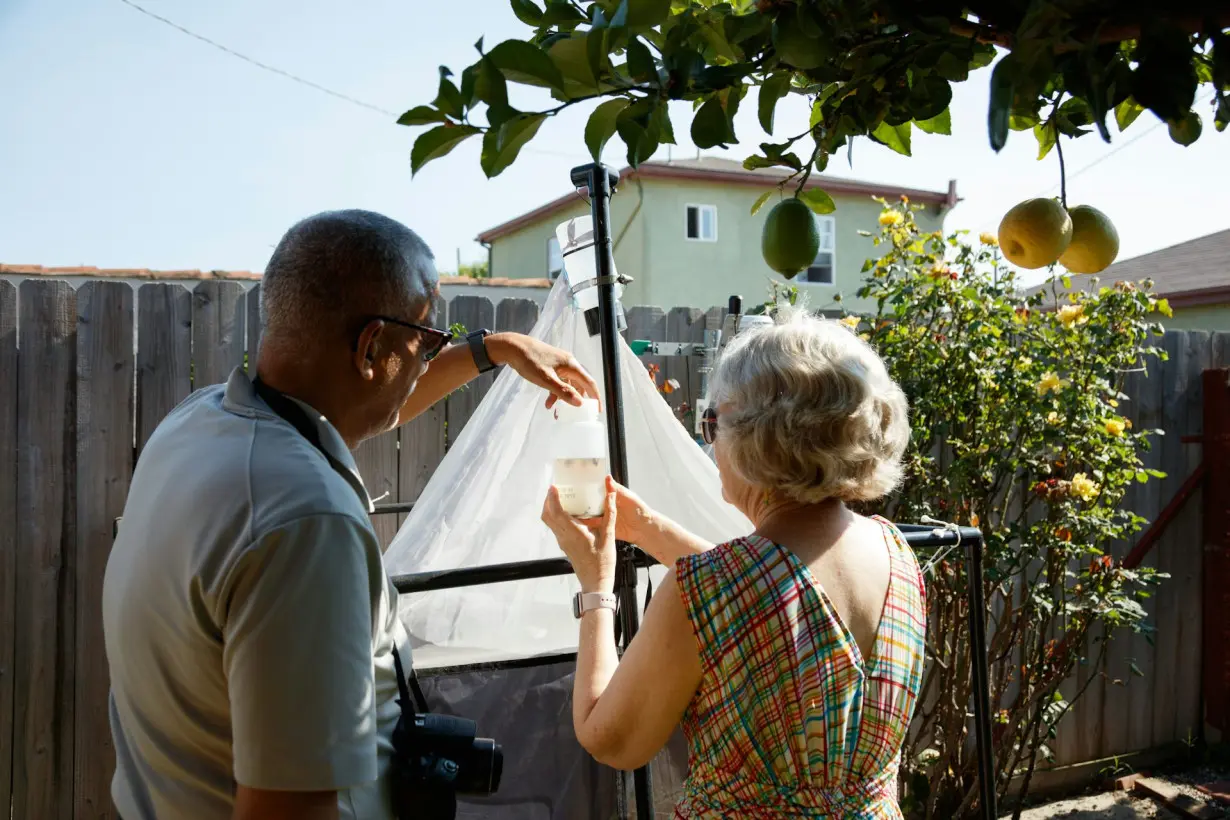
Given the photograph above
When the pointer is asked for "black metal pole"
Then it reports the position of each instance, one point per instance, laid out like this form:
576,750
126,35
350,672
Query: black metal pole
601,182
982,694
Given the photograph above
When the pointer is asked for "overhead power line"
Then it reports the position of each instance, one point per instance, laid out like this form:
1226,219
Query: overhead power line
294,77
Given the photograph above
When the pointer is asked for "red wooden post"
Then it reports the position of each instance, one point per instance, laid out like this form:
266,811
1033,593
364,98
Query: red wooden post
1217,550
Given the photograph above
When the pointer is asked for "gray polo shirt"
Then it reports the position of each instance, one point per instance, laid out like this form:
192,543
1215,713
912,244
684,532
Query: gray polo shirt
249,620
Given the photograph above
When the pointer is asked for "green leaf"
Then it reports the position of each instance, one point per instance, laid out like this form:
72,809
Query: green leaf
818,201
527,12
641,66
762,199
1126,113
489,84
660,128
436,143
637,138
1046,135
523,63
448,98
421,115
601,126
713,123
817,113
500,147
896,137
1000,107
561,15
597,50
647,13
773,89
939,124
571,57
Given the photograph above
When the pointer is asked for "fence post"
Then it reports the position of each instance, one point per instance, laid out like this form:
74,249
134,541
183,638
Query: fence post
1217,551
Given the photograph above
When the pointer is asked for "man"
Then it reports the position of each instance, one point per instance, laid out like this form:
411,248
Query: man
248,617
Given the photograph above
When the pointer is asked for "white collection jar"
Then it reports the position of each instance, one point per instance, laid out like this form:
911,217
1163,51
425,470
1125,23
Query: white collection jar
580,459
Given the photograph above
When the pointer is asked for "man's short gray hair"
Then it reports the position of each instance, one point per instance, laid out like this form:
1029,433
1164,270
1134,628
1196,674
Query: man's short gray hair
808,409
335,266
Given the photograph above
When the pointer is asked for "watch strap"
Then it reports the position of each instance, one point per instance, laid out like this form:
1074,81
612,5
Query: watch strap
583,602
477,340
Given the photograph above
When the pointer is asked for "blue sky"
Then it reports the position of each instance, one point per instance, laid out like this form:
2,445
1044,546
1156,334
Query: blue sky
125,143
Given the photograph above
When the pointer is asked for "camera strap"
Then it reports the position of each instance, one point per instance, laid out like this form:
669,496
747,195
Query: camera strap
296,417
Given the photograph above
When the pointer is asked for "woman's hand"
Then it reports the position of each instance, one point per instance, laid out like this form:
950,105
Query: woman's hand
539,363
590,549
634,519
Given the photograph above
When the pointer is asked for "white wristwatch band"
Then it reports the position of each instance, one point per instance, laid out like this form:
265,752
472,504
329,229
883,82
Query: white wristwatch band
583,602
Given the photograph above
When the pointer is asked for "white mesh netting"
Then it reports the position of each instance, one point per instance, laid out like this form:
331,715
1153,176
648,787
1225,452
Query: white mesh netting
483,505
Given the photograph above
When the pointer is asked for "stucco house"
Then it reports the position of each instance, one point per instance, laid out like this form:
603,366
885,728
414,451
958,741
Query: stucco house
1194,276
684,231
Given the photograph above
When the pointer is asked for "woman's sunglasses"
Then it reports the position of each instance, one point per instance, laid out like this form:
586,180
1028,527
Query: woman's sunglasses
708,425
434,340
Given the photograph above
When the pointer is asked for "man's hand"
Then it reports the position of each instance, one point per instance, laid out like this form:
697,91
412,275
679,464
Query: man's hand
548,367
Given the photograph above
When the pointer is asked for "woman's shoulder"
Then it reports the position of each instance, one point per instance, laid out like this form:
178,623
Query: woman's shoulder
721,556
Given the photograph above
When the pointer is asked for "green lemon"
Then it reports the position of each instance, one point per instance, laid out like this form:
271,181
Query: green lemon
1186,129
790,240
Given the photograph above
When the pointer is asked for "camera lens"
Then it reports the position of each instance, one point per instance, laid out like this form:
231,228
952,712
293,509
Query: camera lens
480,774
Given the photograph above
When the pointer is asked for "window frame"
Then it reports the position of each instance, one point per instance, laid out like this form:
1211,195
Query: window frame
700,222
831,220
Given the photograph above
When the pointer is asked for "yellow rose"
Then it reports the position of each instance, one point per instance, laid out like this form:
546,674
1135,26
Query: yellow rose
1051,383
891,218
988,239
849,321
1084,487
1072,315
1115,427
1052,418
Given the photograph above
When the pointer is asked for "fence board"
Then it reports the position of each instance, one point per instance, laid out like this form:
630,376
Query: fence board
45,645
683,324
164,354
8,534
649,324
104,472
1143,696
421,446
252,301
217,332
474,312
1188,545
377,460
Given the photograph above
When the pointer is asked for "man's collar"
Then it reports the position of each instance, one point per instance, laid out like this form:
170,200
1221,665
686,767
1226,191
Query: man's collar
241,398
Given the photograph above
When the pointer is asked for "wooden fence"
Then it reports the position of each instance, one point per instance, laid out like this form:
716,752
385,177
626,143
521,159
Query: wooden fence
86,375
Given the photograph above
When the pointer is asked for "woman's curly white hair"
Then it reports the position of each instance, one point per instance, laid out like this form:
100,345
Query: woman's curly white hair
807,408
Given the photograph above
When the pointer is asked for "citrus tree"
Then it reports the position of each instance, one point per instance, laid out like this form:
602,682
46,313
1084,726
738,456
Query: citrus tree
869,68
1018,429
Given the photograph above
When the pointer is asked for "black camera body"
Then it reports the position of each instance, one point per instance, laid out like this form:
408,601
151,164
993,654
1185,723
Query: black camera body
437,757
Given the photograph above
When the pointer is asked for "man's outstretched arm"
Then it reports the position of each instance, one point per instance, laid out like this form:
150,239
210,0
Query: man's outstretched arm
552,369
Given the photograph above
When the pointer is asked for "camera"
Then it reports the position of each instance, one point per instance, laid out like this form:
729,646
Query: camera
437,757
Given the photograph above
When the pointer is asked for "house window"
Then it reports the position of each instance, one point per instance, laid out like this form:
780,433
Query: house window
702,223
555,259
823,271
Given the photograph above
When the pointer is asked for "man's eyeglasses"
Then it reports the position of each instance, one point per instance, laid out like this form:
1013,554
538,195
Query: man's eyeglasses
708,425
434,340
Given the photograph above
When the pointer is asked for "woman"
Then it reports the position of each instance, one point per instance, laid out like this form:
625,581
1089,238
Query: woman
793,656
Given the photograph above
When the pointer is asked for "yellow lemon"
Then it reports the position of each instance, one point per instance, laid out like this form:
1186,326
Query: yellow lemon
1034,233
1095,242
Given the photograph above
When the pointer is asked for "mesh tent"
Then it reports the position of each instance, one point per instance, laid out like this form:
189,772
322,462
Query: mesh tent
503,653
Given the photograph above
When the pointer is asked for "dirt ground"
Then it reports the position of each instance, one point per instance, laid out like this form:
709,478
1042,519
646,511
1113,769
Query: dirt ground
1123,805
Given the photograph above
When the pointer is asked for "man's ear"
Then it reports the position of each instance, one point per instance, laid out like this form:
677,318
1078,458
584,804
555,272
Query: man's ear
369,348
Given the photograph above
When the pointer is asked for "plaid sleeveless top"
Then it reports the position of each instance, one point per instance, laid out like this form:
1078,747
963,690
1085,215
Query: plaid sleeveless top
789,719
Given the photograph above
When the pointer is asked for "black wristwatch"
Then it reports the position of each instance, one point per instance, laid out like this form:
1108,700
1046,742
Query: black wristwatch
477,340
